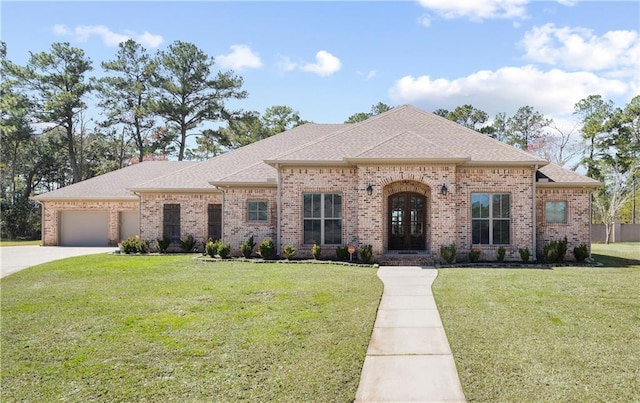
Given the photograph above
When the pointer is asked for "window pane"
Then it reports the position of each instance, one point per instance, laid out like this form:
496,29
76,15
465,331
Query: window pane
262,215
501,234
312,205
311,231
501,206
556,212
333,206
480,205
333,232
480,232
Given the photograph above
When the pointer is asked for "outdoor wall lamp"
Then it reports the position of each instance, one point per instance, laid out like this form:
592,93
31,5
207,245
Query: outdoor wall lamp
444,190
369,190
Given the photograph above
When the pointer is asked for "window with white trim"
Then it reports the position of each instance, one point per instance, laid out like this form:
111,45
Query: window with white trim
322,218
257,210
555,212
491,218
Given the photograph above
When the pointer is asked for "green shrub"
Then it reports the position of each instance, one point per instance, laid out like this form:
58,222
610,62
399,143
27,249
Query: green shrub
448,253
163,243
224,248
188,244
581,253
289,252
316,251
342,253
134,244
211,248
524,254
266,248
501,252
474,255
246,247
555,251
366,253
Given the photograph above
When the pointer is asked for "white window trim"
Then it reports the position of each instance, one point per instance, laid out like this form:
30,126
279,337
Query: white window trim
322,217
258,201
491,218
566,213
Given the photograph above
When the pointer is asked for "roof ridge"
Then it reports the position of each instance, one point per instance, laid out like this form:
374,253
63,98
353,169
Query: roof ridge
351,126
192,164
477,133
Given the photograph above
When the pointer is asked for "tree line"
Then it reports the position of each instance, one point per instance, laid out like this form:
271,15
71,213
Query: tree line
150,105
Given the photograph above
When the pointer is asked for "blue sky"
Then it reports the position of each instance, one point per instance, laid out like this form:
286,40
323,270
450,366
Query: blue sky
329,60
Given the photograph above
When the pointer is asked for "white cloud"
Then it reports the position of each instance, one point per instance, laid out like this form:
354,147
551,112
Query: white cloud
241,56
504,90
325,65
285,64
568,3
579,48
367,76
477,10
82,33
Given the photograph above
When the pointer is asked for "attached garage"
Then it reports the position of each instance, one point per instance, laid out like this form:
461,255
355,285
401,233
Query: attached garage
129,224
84,228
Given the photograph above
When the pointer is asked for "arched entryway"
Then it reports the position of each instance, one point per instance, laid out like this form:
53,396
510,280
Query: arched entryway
407,221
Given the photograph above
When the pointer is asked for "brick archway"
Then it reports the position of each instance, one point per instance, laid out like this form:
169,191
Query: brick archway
406,186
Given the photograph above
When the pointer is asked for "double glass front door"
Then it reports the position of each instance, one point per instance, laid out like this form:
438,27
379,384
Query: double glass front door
407,215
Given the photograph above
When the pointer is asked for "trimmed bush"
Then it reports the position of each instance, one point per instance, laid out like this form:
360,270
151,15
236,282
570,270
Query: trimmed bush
246,247
474,255
163,243
224,248
581,253
366,253
555,251
448,253
524,254
342,253
211,248
134,244
316,251
188,244
500,253
289,252
266,248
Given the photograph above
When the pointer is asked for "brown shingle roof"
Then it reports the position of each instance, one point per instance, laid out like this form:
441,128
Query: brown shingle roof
113,185
404,133
555,175
407,131
246,161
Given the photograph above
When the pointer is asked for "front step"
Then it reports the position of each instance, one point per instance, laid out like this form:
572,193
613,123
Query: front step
406,259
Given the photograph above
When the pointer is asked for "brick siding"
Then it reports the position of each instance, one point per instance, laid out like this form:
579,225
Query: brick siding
51,217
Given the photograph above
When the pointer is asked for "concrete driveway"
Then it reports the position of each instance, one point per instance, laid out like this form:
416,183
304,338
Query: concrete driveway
16,258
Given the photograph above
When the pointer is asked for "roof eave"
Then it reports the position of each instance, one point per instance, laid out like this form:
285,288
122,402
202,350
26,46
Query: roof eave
225,184
387,161
174,190
39,198
538,163
568,184
307,163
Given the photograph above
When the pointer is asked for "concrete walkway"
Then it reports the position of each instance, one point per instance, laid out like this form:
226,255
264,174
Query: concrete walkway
408,358
16,258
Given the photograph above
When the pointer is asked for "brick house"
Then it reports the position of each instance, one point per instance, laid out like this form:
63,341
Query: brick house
405,181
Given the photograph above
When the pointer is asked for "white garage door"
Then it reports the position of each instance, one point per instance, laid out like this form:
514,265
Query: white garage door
83,228
129,224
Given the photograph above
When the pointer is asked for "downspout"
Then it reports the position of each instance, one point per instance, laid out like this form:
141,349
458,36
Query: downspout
590,220
278,207
533,215
222,212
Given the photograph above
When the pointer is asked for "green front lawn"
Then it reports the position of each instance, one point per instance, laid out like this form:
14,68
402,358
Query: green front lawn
567,334
163,328
6,242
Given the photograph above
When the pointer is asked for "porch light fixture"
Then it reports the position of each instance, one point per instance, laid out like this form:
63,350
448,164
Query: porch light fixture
444,190
369,190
